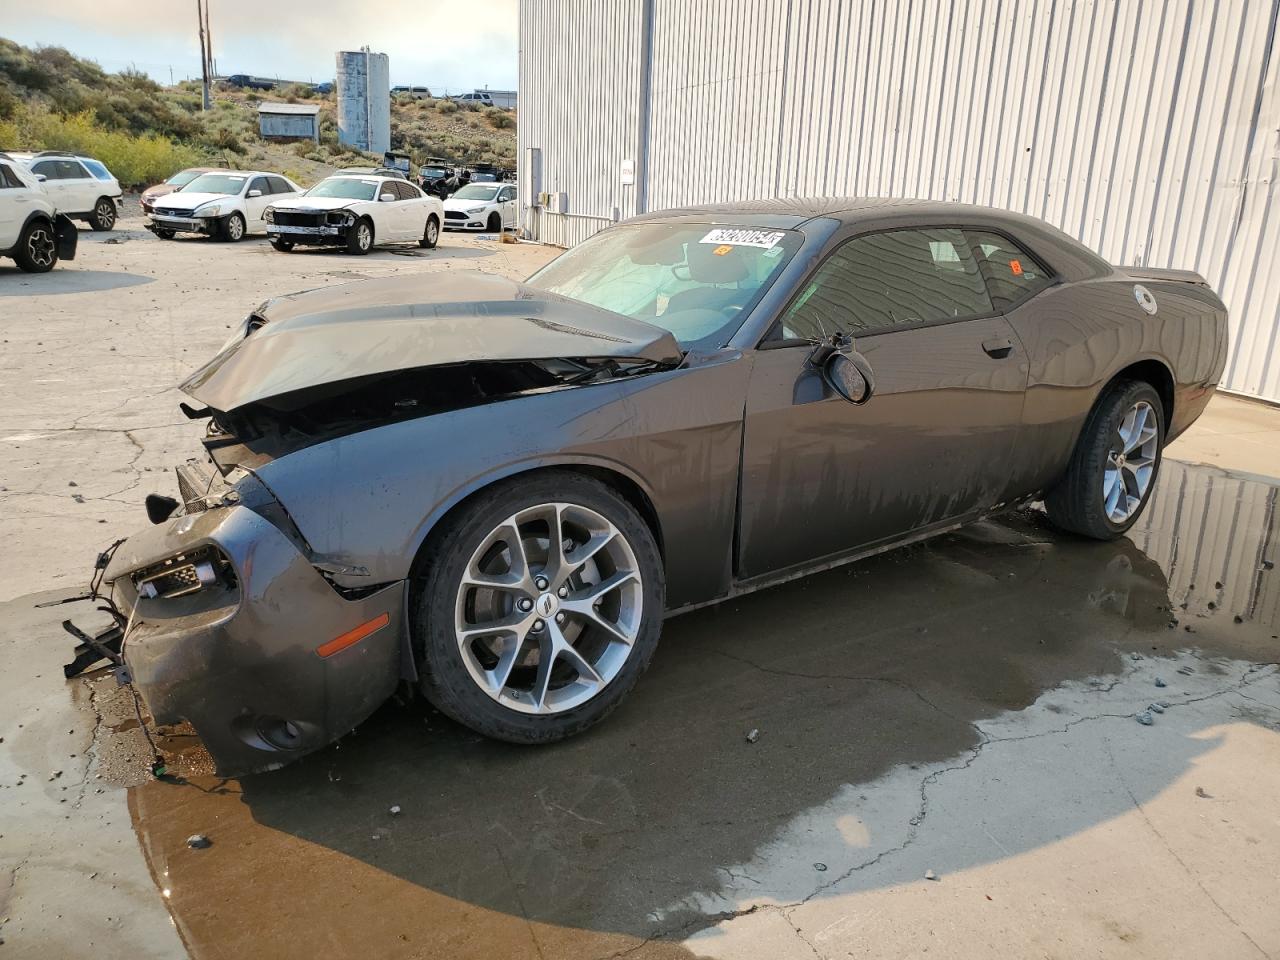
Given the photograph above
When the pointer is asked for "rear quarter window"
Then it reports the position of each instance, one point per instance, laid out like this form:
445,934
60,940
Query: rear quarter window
1011,272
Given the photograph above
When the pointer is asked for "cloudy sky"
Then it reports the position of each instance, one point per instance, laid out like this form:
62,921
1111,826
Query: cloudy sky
456,45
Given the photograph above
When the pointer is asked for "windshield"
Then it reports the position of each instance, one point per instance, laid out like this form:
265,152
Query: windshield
346,188
697,280
225,183
485,177
475,192
433,172
182,178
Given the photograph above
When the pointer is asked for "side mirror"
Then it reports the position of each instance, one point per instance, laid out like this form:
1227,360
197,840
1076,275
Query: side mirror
40,177
254,193
385,197
849,375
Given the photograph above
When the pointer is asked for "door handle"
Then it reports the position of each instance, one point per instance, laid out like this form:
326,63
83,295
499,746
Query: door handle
999,348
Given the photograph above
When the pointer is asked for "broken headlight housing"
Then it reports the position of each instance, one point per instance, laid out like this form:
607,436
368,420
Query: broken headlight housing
187,573
339,218
269,215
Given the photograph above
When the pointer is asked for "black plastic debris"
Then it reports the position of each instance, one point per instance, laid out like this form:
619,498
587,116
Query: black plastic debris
198,841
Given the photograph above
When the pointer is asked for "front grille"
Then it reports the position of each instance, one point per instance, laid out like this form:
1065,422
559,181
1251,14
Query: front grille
454,215
196,483
293,218
166,212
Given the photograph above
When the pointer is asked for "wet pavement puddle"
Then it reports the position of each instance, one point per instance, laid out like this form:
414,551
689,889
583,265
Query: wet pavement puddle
641,827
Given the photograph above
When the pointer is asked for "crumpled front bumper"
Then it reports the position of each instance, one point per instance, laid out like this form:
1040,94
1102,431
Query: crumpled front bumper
261,663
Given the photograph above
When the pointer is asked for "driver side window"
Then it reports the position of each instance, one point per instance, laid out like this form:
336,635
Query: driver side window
888,281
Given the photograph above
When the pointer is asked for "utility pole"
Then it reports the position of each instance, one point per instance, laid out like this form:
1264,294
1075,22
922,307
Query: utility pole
204,55
208,40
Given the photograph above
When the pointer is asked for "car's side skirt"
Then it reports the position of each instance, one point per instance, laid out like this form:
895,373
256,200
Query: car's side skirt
741,588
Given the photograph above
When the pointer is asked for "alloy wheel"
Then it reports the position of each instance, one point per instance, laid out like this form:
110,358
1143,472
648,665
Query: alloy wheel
363,237
41,246
106,214
433,233
1131,462
235,228
549,608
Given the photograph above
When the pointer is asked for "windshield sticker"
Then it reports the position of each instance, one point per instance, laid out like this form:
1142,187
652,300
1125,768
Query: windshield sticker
1015,267
721,250
764,239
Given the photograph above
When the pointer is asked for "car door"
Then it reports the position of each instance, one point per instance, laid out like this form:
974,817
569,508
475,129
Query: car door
507,200
81,187
822,476
256,205
414,210
15,205
57,185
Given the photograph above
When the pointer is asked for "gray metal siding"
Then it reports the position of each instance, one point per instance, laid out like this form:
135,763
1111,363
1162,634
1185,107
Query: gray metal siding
364,100
1150,129
287,125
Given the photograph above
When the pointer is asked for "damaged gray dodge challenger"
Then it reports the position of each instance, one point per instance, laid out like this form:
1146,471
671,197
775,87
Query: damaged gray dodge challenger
496,491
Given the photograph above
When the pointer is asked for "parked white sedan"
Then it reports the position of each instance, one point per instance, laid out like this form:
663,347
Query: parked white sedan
482,206
226,204
356,212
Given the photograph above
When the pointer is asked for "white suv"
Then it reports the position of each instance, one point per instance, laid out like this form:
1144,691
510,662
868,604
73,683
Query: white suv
31,231
80,187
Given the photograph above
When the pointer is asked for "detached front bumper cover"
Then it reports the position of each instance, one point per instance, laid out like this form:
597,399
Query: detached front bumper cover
231,628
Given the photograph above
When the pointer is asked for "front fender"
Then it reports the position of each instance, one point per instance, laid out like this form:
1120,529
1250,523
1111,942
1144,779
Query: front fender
371,499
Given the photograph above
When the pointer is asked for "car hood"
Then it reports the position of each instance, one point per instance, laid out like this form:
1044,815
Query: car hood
315,203
181,200
453,203
374,327
159,190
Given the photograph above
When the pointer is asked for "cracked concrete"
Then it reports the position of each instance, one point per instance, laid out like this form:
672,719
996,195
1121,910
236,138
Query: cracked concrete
963,707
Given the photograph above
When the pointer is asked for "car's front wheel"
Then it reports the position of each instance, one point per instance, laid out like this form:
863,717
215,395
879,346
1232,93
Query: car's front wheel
360,239
37,249
1114,466
495,223
233,228
540,609
104,214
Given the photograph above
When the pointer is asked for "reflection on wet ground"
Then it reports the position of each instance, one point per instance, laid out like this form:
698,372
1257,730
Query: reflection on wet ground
580,849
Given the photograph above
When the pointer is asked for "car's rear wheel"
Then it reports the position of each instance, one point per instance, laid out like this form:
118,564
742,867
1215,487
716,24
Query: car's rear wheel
430,233
1114,466
495,223
360,239
233,228
37,249
284,246
104,214
541,607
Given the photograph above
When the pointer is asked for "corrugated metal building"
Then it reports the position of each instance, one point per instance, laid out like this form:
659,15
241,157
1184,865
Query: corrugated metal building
289,121
1150,129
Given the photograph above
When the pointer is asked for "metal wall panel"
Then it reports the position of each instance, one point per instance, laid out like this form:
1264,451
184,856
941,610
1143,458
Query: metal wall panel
1150,129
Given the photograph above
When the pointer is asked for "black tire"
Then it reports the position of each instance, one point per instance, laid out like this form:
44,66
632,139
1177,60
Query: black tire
360,239
164,234
104,214
445,680
1077,502
37,249
232,228
495,223
430,233
284,246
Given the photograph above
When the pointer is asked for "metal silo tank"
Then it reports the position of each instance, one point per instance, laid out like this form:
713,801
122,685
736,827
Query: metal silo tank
364,100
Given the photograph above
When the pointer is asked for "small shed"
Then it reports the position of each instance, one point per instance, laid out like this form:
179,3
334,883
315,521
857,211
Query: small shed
289,121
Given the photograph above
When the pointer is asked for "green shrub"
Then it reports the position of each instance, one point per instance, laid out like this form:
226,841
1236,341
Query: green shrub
447,106
501,120
135,161
225,139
